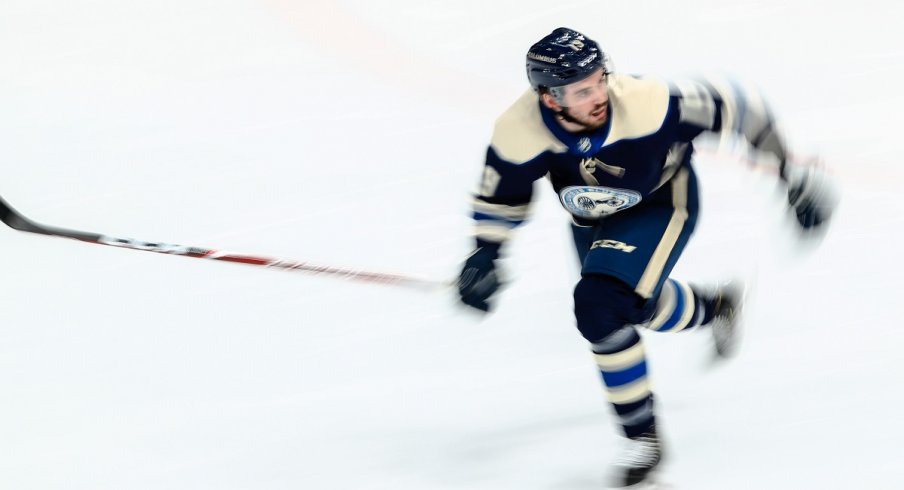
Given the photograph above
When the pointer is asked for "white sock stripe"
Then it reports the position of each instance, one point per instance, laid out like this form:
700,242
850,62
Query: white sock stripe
665,305
619,361
616,341
629,393
689,307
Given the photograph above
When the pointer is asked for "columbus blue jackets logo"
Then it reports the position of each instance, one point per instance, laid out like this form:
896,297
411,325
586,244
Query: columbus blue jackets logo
597,202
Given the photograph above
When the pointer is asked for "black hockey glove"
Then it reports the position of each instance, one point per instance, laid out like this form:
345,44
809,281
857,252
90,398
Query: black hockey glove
478,280
812,198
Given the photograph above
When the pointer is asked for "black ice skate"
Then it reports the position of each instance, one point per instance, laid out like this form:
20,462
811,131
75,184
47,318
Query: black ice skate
726,323
641,456
725,326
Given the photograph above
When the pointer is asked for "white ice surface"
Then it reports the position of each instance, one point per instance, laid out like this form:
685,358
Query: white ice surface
350,133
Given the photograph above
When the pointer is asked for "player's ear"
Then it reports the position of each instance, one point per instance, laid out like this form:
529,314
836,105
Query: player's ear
549,101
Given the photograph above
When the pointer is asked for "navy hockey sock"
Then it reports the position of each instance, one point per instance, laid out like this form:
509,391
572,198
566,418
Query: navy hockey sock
680,308
607,311
623,366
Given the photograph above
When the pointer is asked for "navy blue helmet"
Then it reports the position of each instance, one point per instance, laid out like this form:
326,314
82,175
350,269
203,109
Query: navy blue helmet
564,56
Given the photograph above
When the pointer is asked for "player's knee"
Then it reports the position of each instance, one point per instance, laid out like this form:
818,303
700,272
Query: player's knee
603,305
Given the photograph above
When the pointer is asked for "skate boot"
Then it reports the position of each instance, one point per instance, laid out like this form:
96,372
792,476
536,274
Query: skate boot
726,323
641,456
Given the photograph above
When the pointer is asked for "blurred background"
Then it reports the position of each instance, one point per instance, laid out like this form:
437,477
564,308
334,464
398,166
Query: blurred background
351,134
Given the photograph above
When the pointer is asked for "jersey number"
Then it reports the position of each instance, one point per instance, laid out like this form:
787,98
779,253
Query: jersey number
489,182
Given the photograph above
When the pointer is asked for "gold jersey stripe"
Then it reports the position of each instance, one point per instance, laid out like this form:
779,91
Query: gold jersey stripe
655,267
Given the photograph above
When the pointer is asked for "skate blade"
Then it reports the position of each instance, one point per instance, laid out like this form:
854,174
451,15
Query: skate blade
653,481
649,484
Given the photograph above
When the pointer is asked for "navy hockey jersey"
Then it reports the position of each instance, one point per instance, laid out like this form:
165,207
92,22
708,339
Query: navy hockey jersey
646,139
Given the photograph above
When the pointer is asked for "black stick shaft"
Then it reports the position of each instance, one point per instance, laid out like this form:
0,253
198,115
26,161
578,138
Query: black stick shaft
18,221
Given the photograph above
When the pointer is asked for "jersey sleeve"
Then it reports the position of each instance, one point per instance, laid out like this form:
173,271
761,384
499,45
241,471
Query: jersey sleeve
725,107
518,154
502,201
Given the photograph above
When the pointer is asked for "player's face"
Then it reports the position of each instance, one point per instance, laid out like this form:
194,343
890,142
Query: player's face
588,100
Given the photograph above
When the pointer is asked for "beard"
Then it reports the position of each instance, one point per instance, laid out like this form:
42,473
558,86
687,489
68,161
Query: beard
588,120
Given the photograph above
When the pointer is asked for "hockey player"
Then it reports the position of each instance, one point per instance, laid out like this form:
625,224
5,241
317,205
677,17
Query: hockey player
617,149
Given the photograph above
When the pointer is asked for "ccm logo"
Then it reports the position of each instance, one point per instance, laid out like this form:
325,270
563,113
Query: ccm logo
624,247
139,245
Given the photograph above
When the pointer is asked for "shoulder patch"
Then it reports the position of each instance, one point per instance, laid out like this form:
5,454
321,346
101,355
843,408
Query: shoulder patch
639,107
520,135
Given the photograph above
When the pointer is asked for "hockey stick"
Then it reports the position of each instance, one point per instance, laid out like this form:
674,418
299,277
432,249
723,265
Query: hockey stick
18,221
